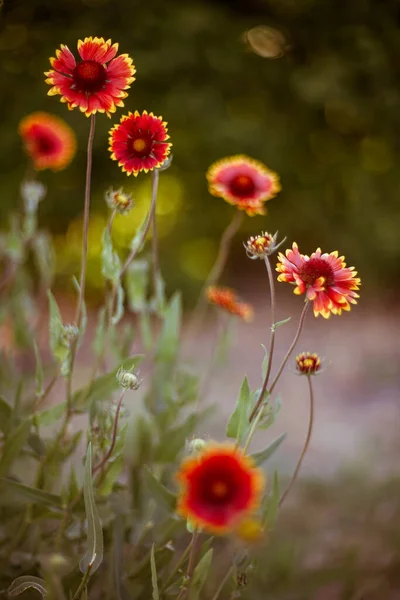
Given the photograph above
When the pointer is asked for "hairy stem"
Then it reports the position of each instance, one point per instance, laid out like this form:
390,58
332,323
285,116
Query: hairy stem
306,444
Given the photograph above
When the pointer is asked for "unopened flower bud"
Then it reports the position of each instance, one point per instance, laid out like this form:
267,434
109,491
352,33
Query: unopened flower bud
119,200
129,380
166,164
197,445
308,364
260,246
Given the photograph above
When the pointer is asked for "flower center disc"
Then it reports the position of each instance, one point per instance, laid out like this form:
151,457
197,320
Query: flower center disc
89,76
315,268
219,490
242,185
44,145
141,146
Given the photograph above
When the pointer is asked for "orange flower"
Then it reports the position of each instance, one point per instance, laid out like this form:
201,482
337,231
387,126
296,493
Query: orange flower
227,299
219,487
324,278
244,182
97,82
139,143
48,140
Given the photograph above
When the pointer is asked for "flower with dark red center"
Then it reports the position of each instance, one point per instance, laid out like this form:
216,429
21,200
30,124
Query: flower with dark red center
244,182
49,141
219,487
139,143
97,82
308,364
260,246
324,278
227,299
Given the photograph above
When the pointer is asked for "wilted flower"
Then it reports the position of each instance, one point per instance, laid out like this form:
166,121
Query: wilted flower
227,299
97,82
49,142
308,364
139,143
260,246
119,200
244,182
324,278
129,380
219,487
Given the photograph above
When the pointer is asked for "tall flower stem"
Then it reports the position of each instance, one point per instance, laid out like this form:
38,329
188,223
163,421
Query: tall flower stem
273,329
86,216
306,444
219,265
109,452
154,240
185,590
288,353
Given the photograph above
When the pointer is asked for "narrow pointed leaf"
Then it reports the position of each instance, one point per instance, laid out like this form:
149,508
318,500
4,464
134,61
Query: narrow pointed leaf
280,323
265,361
154,582
94,553
14,443
263,455
39,390
136,281
83,309
271,507
25,582
30,494
110,262
5,415
238,424
50,415
58,344
159,492
200,575
119,309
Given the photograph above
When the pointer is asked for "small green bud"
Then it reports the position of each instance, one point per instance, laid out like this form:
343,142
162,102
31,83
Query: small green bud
197,445
119,200
129,380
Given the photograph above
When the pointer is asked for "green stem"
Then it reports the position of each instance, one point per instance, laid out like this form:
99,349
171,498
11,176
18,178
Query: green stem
83,583
109,452
223,582
273,329
154,240
306,444
184,593
178,565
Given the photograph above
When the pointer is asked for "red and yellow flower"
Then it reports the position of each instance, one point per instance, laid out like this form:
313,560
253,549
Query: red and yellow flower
244,182
220,487
48,140
324,278
307,363
227,299
139,143
96,82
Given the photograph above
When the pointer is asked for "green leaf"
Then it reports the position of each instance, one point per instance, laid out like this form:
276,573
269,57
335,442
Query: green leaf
137,241
111,476
110,262
174,440
99,335
5,415
200,575
44,256
280,323
145,330
270,410
30,494
104,385
154,582
50,415
136,281
59,345
39,390
265,361
83,309
169,337
159,492
139,445
271,506
25,582
14,443
94,554
119,310
263,455
238,424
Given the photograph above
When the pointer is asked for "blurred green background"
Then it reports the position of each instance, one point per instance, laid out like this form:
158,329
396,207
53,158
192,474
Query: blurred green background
325,115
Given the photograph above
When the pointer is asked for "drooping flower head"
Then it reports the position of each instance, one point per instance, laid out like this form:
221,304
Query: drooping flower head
307,363
96,82
324,278
227,299
48,140
139,143
244,182
220,486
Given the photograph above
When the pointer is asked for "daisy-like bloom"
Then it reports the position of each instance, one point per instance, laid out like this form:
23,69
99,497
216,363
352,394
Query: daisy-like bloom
324,278
48,140
244,182
260,246
220,486
308,364
119,200
96,82
139,143
227,299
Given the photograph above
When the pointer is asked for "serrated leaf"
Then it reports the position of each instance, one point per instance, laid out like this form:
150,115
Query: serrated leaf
169,337
5,415
94,553
25,582
238,424
110,261
159,492
174,440
154,582
136,281
13,445
50,415
271,506
59,345
263,455
30,494
200,575
280,323
39,390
